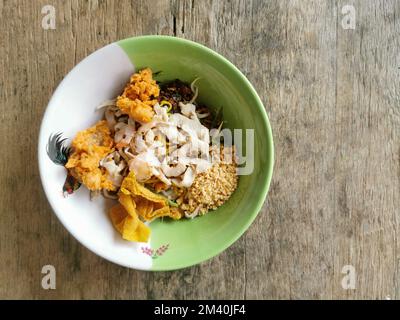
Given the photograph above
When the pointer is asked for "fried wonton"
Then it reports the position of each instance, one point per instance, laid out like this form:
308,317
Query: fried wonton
128,224
148,205
88,148
139,95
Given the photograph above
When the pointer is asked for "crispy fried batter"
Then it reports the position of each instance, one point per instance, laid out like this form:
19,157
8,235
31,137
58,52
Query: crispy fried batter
128,224
148,205
139,95
89,147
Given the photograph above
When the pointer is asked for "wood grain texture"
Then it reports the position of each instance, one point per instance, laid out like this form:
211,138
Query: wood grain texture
332,96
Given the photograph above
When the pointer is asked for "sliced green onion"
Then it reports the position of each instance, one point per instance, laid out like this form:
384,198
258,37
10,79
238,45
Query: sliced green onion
166,103
172,203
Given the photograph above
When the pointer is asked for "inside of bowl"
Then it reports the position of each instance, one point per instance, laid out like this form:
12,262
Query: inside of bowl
220,85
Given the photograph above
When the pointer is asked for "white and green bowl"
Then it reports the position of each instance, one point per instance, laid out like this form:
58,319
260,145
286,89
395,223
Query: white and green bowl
102,76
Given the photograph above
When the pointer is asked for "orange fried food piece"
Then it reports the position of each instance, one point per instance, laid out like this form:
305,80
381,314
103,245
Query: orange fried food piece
148,205
137,100
128,224
88,148
136,109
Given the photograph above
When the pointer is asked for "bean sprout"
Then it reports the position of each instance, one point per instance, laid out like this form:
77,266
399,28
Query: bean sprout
195,90
107,194
194,214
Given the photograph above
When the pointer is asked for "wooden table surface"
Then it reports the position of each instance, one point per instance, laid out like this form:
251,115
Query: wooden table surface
332,96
